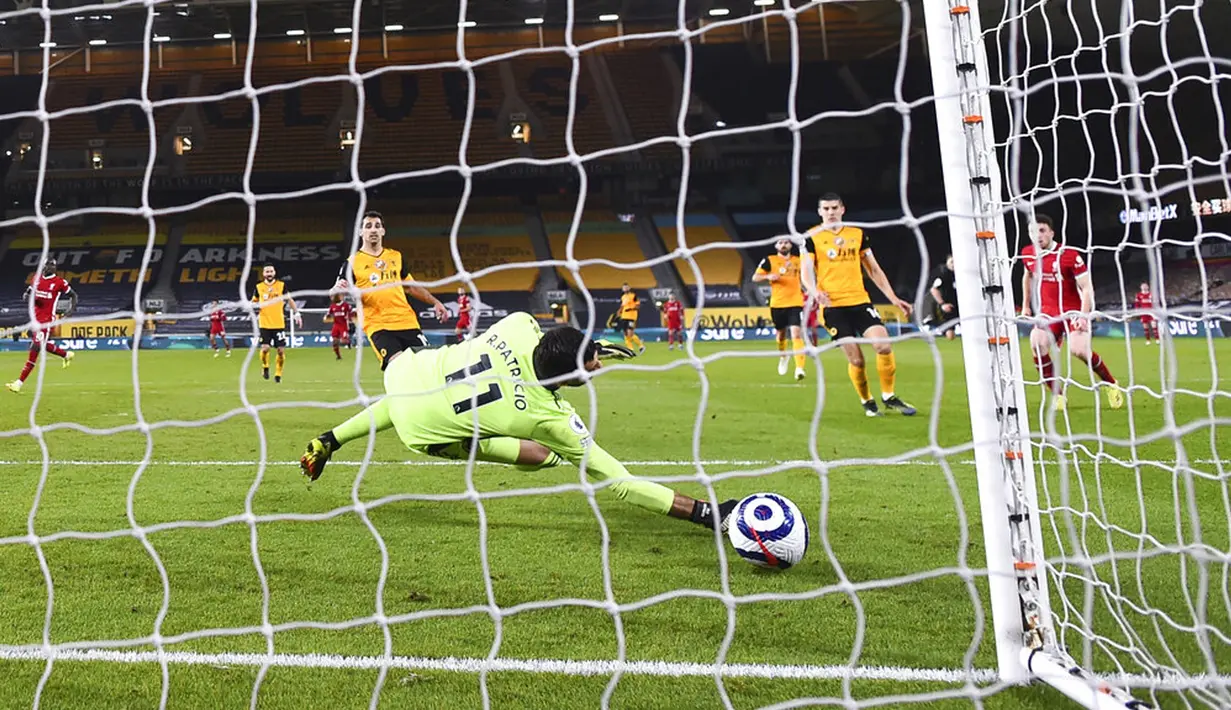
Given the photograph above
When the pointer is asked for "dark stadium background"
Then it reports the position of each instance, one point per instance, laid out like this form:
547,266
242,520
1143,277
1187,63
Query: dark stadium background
851,65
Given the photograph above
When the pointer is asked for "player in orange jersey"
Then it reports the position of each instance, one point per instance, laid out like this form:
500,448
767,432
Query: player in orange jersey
843,255
785,273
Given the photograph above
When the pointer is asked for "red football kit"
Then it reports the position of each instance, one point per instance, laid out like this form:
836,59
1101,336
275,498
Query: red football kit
463,312
217,323
341,313
1055,273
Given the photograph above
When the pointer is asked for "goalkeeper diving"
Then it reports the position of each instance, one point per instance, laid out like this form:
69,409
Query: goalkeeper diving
519,421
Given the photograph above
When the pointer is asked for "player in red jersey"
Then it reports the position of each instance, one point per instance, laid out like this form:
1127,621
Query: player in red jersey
1065,294
673,316
341,311
218,328
45,290
1145,302
463,314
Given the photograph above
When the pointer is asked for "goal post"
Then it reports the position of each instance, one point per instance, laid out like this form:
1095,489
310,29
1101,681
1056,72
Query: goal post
1024,628
990,348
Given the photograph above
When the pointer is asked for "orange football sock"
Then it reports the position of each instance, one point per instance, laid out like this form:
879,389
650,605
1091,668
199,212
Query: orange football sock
800,358
859,378
280,362
887,368
265,359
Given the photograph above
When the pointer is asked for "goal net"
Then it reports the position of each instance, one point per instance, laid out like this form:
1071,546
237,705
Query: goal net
1107,118
159,547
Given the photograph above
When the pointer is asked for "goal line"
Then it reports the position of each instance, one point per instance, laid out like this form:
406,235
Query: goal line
554,666
519,665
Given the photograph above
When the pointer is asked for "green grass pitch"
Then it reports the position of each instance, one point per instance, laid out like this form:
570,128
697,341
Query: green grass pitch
880,586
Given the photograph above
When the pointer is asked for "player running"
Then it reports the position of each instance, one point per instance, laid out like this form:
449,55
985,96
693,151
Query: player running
218,328
340,312
1064,296
627,322
673,316
1145,303
380,275
463,314
270,292
45,290
944,290
517,419
843,255
784,272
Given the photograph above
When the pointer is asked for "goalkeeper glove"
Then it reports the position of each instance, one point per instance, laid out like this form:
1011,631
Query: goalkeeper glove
608,350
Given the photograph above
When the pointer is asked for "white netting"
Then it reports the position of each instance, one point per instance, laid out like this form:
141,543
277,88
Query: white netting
852,672
1111,121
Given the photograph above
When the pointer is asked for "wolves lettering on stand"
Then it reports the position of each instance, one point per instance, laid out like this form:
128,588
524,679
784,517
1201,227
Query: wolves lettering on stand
234,257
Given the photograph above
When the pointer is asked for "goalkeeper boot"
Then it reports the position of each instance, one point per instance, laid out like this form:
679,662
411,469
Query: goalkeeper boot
68,359
316,457
1115,397
895,403
869,408
265,372
14,386
800,374
783,363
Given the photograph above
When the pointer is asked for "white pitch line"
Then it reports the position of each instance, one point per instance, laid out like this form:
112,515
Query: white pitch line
796,463
551,666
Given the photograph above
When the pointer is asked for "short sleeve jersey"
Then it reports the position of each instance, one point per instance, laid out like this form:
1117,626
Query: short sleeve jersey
674,311
629,305
1055,273
340,312
431,403
839,264
787,291
943,280
269,295
381,294
46,292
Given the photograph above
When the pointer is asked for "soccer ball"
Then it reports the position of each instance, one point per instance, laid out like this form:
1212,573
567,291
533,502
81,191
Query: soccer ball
768,530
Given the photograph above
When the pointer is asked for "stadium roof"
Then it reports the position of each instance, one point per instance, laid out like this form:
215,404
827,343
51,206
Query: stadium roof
75,23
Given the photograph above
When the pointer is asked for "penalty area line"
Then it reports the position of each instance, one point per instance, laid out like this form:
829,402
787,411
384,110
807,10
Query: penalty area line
670,669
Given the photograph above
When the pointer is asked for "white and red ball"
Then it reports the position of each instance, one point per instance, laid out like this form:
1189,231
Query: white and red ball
768,530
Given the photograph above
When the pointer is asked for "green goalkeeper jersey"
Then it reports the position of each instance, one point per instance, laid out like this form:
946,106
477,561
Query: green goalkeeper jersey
431,404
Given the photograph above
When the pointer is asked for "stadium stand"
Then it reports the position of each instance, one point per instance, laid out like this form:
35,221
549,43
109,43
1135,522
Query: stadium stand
414,120
601,236
649,101
121,134
721,269
103,268
543,83
492,233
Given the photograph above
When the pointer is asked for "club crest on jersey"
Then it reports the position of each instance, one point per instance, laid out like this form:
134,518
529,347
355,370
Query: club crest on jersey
380,264
838,241
832,253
